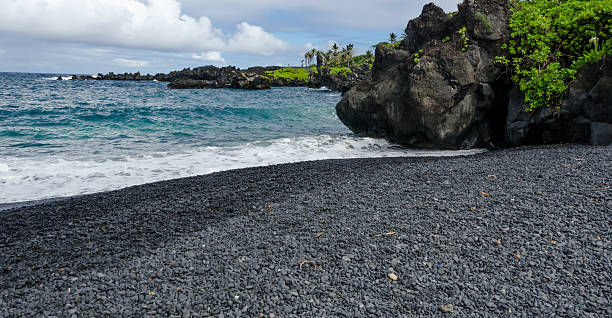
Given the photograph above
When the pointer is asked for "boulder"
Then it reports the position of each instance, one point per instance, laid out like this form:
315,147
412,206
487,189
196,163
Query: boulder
433,91
251,82
585,116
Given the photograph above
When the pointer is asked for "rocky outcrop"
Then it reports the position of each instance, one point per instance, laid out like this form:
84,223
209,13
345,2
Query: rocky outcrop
438,88
208,77
340,82
585,116
253,82
196,84
239,81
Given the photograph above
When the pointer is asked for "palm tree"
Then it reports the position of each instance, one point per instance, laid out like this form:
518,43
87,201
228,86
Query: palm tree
349,51
328,58
313,53
321,57
392,38
309,56
368,54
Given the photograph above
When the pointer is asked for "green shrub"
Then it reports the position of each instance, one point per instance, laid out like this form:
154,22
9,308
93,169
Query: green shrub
386,44
340,69
551,40
363,59
417,56
463,34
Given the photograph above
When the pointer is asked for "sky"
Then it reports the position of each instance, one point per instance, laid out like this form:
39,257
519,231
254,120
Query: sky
151,36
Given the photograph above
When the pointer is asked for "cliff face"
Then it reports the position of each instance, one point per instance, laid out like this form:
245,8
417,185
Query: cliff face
442,89
585,116
437,89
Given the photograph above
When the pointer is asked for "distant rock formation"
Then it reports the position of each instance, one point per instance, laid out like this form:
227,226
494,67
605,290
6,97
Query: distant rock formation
208,77
212,77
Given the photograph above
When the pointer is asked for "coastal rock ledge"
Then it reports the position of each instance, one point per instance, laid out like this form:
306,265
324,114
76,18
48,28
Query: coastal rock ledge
441,88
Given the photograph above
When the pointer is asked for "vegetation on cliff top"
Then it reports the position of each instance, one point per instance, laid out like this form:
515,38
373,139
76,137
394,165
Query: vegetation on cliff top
551,40
290,73
336,60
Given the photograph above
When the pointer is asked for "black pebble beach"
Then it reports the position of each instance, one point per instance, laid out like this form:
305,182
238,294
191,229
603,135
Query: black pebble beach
517,232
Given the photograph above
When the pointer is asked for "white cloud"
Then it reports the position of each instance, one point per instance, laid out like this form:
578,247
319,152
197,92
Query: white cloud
213,56
339,14
145,24
253,39
130,63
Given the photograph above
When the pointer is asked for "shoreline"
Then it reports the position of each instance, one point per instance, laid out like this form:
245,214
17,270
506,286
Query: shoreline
482,233
410,153
22,204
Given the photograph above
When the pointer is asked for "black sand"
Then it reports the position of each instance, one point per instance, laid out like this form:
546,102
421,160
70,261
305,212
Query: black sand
517,232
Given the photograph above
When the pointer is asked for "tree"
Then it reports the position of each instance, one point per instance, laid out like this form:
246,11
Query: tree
313,53
392,38
308,56
335,47
349,51
328,58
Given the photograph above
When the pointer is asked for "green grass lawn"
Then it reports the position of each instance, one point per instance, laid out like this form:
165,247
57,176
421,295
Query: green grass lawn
301,73
290,73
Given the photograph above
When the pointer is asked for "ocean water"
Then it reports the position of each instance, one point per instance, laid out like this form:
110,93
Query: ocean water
63,138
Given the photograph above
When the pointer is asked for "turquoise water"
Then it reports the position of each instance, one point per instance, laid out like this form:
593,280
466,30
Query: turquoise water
61,138
64,117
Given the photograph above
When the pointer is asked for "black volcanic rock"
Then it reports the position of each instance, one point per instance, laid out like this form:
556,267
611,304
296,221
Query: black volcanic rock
194,84
238,80
339,82
256,82
585,116
432,91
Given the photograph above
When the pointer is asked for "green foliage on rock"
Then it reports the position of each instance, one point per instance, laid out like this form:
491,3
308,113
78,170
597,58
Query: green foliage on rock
335,70
367,58
385,44
290,73
551,40
463,33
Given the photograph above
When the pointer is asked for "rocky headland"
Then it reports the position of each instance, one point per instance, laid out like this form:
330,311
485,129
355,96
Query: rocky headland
254,78
441,88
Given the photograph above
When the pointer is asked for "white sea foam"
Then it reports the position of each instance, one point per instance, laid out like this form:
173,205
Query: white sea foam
41,178
63,77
